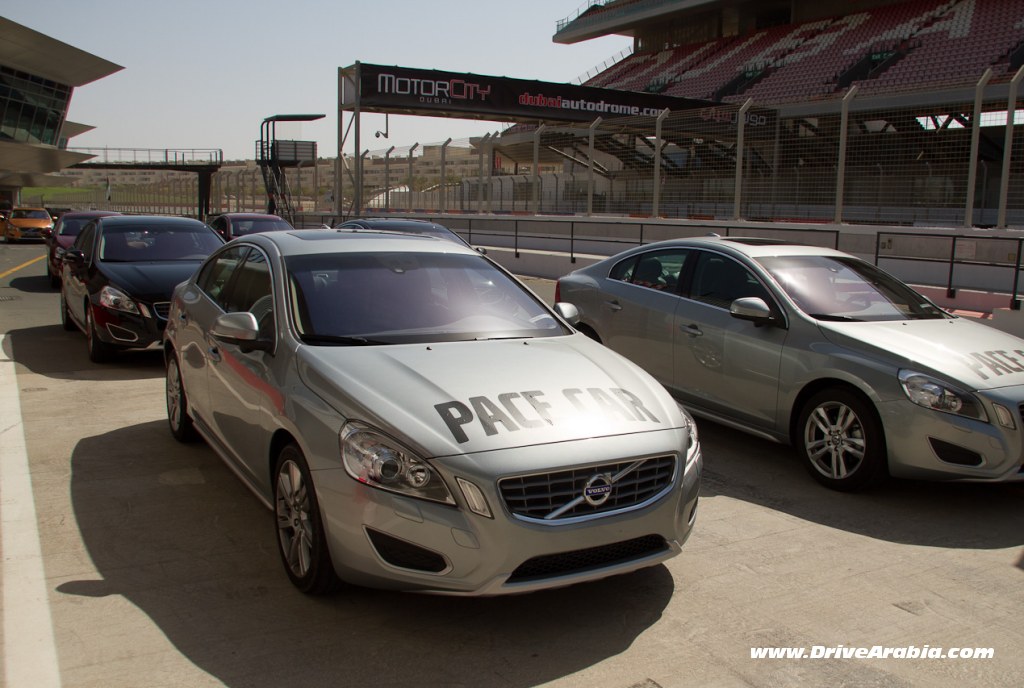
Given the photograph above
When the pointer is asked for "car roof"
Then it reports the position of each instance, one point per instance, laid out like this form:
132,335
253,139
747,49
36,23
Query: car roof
252,216
114,220
78,214
386,222
751,247
307,241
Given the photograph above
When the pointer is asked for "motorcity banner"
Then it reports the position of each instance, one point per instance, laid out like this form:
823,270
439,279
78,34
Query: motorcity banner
433,92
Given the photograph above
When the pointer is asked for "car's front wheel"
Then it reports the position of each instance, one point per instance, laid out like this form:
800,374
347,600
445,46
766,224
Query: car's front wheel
54,279
300,530
177,403
65,317
99,350
840,439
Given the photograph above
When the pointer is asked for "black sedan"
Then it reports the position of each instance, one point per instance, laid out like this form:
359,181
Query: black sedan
118,276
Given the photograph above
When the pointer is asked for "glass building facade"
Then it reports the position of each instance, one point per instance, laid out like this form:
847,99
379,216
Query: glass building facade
32,109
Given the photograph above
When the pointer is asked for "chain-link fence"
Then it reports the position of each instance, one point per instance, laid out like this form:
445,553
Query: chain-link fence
914,161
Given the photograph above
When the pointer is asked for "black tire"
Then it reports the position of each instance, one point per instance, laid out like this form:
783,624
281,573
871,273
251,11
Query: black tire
54,279
65,317
178,419
99,350
840,439
300,531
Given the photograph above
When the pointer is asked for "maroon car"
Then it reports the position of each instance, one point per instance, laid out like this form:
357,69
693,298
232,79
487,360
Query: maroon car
231,225
63,235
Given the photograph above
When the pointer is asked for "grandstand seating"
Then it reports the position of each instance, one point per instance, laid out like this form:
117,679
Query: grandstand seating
908,46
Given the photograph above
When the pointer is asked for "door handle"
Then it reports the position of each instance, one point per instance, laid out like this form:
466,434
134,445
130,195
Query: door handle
613,305
213,353
692,330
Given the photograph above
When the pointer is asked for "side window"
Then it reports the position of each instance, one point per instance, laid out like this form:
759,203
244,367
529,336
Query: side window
623,270
84,241
220,226
719,280
250,290
215,275
658,270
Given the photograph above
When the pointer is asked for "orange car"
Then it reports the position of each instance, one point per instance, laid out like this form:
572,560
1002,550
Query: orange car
27,223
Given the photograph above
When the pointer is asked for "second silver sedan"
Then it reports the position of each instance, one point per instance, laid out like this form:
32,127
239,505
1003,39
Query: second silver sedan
817,348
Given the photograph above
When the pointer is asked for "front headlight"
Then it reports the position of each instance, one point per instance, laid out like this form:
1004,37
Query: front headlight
376,460
693,446
117,300
937,395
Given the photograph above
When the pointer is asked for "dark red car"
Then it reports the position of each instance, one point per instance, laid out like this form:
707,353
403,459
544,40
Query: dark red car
231,225
63,235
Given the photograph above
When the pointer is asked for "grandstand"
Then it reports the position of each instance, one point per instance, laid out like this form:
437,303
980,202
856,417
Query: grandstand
870,111
786,52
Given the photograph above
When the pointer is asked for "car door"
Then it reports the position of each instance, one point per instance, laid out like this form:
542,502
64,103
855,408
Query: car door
636,309
75,275
201,303
723,364
239,381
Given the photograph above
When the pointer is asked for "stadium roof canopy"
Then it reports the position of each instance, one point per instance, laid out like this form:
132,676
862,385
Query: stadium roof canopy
40,56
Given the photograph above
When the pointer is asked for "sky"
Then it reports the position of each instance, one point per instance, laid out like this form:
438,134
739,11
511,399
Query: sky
205,73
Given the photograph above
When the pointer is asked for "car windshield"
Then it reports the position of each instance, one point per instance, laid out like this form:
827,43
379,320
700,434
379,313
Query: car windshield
30,215
391,298
847,289
243,227
71,227
130,243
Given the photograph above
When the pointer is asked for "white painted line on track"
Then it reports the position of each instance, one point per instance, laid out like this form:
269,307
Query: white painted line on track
30,652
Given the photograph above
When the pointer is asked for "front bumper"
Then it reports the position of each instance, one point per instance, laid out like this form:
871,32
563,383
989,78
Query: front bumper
931,445
385,540
129,330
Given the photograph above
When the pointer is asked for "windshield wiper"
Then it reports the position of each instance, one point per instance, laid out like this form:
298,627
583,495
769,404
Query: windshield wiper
337,340
834,318
514,336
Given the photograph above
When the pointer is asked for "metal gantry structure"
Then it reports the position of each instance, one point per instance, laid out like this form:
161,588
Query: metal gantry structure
274,156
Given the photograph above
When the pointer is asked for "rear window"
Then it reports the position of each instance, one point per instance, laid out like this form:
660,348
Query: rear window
128,243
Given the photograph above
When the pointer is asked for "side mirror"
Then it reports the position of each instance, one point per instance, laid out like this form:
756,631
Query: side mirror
568,312
240,329
74,256
751,308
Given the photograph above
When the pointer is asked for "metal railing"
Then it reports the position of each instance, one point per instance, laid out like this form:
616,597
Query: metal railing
153,156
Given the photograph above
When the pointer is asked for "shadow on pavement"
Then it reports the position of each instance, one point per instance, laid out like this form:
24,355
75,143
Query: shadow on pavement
175,533
933,514
54,352
35,284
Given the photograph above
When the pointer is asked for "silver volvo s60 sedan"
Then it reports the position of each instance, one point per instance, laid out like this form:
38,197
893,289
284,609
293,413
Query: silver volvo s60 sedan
418,420
814,347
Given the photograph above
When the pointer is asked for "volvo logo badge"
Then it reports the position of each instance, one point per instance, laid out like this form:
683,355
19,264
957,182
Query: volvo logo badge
598,489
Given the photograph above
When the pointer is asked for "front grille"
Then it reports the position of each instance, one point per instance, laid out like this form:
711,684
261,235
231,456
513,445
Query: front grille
558,496
162,309
590,559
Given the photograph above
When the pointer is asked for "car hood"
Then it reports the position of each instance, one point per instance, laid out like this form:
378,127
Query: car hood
467,397
150,281
30,222
978,356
